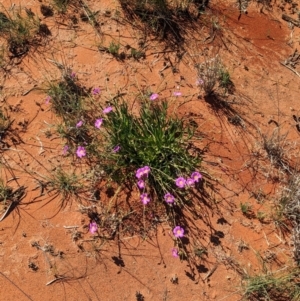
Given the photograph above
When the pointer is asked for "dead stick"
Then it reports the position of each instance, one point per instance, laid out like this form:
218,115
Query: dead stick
211,272
266,239
289,19
28,91
55,279
283,64
6,212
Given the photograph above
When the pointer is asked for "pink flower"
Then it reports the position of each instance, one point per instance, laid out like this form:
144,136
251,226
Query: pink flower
98,123
175,253
116,149
177,93
190,182
196,176
73,74
199,82
48,98
144,198
96,91
93,227
107,110
79,124
178,232
65,149
180,182
169,198
80,152
153,96
139,173
141,184
146,170
143,171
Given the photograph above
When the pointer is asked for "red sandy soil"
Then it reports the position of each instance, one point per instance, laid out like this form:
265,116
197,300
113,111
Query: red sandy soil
251,47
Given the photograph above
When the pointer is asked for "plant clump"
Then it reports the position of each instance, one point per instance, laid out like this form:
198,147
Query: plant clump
151,139
213,75
5,123
272,287
21,29
165,19
150,151
291,203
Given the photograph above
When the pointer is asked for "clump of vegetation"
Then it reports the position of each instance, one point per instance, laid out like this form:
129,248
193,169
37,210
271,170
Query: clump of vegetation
137,54
165,19
291,209
273,287
212,75
21,29
5,123
225,81
74,104
261,216
246,208
5,191
124,143
66,96
114,48
65,185
150,151
61,5
9,197
276,145
151,139
279,217
3,57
